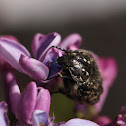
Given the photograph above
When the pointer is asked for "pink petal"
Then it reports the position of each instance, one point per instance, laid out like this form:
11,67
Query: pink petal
27,103
34,68
15,95
103,120
80,122
11,52
48,41
108,69
123,110
4,65
7,77
9,37
43,100
37,41
72,42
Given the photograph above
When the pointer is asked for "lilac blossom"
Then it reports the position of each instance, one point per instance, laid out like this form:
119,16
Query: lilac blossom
33,98
33,106
39,67
121,118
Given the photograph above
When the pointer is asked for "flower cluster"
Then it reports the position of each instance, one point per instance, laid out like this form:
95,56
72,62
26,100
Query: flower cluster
32,106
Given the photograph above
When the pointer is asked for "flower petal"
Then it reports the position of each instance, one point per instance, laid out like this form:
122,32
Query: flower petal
7,77
43,100
34,68
120,120
51,61
15,95
4,65
40,118
103,120
9,37
11,52
80,122
27,103
52,39
37,41
72,42
108,69
3,114
123,110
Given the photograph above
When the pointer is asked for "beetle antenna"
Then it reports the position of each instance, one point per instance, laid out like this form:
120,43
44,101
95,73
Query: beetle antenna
59,48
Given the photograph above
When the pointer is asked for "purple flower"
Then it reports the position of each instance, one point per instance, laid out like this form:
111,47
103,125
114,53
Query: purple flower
33,106
43,65
3,114
33,98
120,120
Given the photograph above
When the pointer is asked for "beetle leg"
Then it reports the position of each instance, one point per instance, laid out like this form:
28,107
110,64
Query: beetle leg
63,76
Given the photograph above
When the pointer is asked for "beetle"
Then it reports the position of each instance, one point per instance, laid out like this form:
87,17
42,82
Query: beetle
81,76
